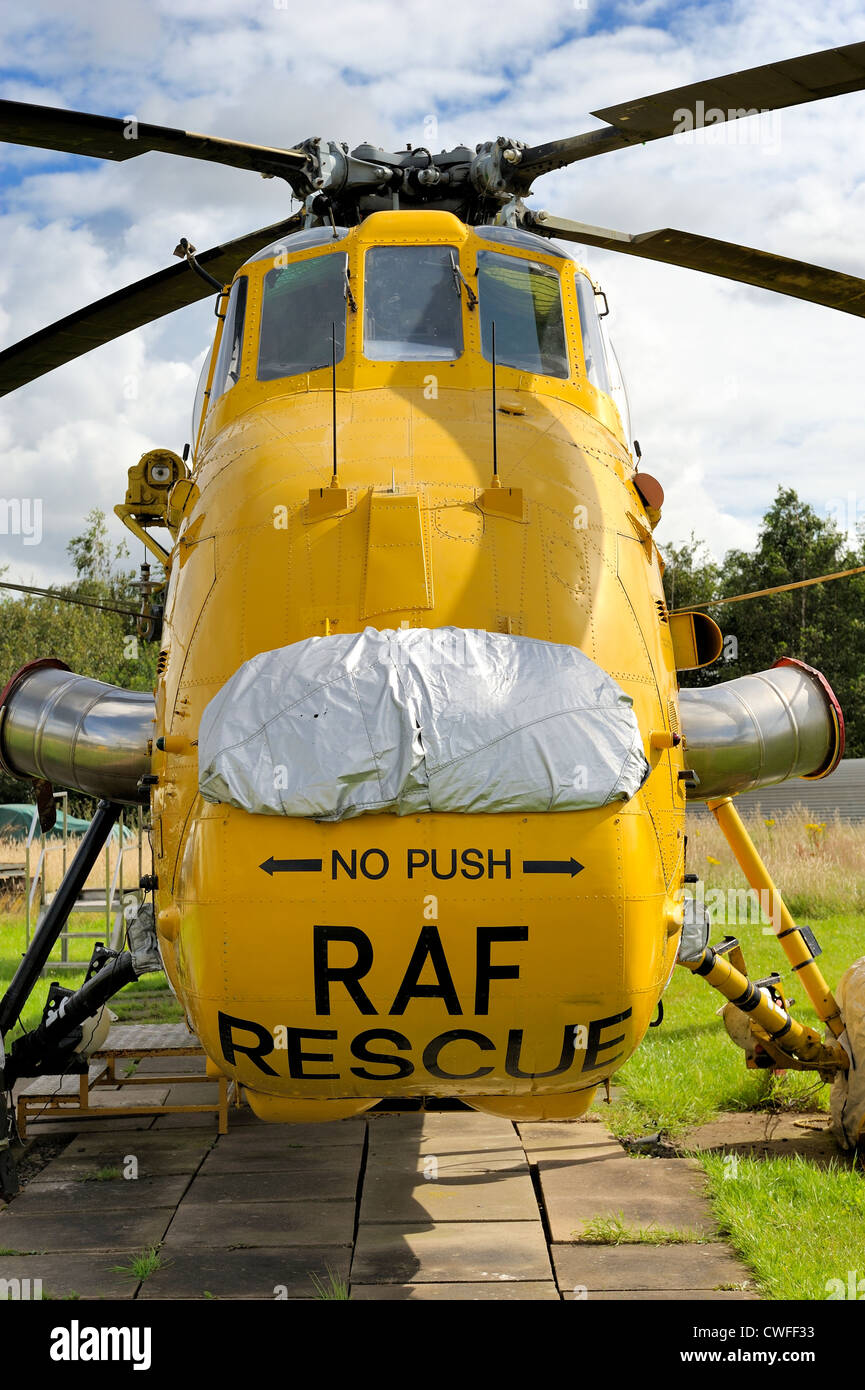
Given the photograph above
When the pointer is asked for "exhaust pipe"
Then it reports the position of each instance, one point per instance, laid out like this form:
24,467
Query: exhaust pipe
759,730
76,732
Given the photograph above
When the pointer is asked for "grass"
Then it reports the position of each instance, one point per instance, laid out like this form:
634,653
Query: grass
141,1266
818,866
332,1287
102,1175
797,1225
146,1000
771,1203
613,1230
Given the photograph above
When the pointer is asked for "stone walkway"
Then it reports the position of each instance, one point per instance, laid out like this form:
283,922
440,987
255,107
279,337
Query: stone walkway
439,1205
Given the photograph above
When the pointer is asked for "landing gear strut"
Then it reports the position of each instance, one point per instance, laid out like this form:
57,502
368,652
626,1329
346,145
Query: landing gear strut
55,1046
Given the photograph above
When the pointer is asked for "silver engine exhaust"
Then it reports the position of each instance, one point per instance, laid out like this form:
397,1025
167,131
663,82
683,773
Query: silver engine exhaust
761,729
76,732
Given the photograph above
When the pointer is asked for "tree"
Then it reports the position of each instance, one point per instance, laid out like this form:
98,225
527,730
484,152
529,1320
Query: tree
91,641
823,625
691,575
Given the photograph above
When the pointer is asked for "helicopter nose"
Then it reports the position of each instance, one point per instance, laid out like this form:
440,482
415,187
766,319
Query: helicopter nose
416,720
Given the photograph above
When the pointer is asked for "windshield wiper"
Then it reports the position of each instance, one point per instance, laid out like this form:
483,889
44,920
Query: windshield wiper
349,297
461,282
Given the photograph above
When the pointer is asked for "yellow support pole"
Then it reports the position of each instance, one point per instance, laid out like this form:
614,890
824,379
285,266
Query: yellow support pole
782,1029
793,942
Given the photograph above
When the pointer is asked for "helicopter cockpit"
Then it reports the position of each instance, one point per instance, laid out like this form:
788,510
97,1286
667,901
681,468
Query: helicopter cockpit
489,294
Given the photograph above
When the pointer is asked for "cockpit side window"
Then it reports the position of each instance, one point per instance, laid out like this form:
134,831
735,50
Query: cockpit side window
302,312
593,342
412,305
198,407
227,368
524,300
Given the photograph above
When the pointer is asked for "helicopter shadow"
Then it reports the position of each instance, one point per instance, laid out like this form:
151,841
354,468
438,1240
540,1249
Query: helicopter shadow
447,1208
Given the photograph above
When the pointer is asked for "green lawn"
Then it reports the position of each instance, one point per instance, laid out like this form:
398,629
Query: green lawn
145,1001
797,1225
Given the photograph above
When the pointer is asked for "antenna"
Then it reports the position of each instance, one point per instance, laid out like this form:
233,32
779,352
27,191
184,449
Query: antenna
496,482
333,499
495,499
333,481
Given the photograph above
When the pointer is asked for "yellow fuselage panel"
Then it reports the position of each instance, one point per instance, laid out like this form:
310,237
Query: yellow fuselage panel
460,966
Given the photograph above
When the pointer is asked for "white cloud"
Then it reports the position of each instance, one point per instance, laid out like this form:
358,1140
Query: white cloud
732,391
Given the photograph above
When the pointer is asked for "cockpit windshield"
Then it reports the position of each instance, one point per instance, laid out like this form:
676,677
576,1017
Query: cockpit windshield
524,300
412,305
303,309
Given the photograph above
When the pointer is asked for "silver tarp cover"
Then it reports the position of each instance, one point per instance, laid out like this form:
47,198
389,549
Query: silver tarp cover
419,719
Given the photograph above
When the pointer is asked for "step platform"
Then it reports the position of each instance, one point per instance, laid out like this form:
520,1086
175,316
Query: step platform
89,1095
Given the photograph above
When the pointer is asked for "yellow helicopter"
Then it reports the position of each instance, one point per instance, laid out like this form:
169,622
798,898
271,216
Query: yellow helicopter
417,762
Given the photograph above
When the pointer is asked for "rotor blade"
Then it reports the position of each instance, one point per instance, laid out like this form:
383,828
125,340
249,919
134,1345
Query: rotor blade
776,589
132,307
829,73
831,288
107,137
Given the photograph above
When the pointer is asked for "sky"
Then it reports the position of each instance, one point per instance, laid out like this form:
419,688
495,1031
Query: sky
733,391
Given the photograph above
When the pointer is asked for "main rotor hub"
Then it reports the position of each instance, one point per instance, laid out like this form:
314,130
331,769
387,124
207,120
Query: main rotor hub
347,186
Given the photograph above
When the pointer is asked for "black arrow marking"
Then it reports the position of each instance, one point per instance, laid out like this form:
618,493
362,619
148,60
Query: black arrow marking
553,866
291,866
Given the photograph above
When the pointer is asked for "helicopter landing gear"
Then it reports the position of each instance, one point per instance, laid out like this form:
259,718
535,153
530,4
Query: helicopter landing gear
8,1174
757,1015
73,1021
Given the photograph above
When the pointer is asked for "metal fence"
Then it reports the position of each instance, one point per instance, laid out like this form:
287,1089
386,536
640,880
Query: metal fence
842,792
107,898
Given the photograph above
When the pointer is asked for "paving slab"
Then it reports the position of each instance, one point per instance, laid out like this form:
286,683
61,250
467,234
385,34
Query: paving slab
96,1140
686,1269
443,1132
448,1211
204,1120
568,1141
460,1191
63,1276
274,1275
201,1092
74,1229
451,1252
68,1128
323,1136
276,1223
251,1151
335,1181
115,1194
151,1163
666,1192
456,1293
